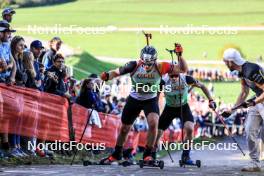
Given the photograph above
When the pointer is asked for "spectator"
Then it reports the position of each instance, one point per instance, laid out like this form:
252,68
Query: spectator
115,101
7,63
28,61
141,124
118,108
7,69
48,58
88,96
7,14
72,87
54,78
107,103
17,48
36,48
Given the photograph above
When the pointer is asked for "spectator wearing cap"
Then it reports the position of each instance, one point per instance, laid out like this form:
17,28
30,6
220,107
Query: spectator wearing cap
48,58
36,48
7,67
7,62
7,14
54,77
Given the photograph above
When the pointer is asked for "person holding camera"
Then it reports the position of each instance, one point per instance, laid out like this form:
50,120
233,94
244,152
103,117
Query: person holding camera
54,77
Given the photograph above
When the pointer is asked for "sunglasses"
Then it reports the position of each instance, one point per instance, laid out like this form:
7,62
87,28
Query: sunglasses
148,64
174,76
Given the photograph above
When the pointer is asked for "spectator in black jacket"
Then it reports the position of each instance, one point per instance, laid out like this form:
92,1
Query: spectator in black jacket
88,96
54,78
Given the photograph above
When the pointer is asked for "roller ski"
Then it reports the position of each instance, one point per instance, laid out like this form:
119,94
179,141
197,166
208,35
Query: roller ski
110,160
105,161
114,158
150,162
126,163
187,161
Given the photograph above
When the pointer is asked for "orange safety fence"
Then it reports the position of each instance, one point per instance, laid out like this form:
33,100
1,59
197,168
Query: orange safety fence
107,134
32,113
29,112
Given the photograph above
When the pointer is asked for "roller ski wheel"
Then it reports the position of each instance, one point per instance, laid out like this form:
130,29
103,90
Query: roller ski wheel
198,163
151,163
126,163
161,164
190,162
180,163
141,163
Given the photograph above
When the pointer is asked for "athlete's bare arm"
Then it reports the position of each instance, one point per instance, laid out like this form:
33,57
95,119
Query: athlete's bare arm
243,94
204,89
181,67
260,99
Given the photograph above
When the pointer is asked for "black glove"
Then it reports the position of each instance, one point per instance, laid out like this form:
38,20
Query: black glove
226,114
248,103
212,104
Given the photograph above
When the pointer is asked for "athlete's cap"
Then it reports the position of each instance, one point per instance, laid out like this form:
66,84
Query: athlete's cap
232,54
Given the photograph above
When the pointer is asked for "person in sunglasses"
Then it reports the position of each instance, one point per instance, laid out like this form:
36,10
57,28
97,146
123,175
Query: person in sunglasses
146,74
176,95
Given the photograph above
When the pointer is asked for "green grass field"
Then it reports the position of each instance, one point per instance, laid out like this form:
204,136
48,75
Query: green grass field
149,13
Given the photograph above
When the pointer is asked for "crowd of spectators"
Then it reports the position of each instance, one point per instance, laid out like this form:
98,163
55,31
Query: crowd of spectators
210,75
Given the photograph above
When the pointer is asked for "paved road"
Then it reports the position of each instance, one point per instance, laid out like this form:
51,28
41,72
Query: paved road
216,163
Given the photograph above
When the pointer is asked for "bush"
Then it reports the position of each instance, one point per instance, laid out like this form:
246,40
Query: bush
4,3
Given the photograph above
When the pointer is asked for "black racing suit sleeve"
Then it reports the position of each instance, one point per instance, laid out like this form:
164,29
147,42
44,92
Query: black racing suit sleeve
128,67
190,80
254,73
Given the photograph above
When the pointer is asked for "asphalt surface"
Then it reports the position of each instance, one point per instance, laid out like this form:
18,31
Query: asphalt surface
214,163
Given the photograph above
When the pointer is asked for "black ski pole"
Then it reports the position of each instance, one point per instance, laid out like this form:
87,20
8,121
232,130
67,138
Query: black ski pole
87,122
148,37
229,133
182,125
